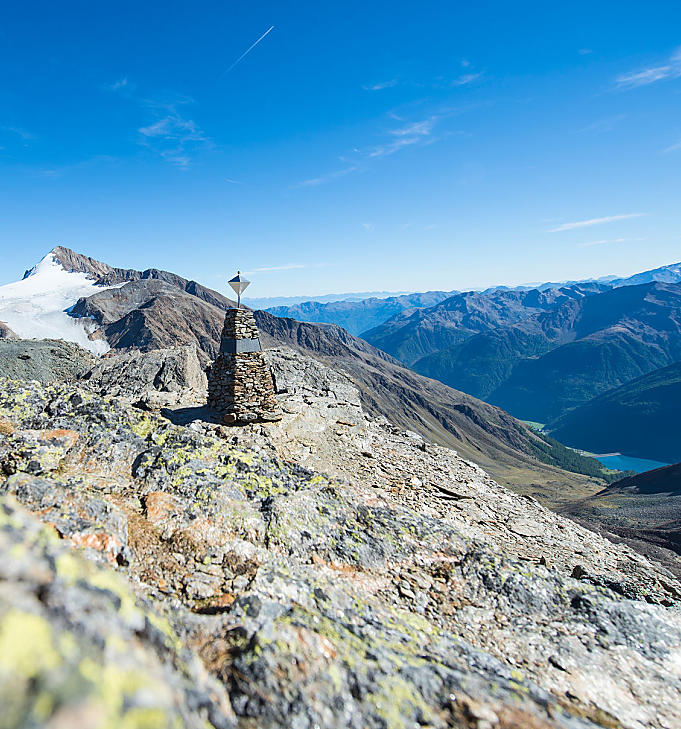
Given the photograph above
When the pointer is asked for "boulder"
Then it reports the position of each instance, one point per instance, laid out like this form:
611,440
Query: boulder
161,377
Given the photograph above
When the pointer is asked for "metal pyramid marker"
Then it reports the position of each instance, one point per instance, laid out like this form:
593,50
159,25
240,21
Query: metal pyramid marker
239,284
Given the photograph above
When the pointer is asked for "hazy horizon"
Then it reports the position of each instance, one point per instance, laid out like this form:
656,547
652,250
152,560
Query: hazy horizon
253,288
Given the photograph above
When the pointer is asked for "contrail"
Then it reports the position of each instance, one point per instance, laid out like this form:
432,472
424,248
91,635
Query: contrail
248,50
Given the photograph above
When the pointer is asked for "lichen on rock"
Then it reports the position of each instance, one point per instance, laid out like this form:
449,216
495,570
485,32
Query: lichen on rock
328,570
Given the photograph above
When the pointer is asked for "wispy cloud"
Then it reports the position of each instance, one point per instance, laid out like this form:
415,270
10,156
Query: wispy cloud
19,132
467,78
594,221
122,86
399,134
670,69
440,82
674,147
380,86
248,50
169,133
607,240
419,132
368,227
285,267
585,51
322,179
59,172
173,136
419,128
602,126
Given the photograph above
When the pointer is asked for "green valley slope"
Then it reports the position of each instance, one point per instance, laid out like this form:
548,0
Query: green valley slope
640,418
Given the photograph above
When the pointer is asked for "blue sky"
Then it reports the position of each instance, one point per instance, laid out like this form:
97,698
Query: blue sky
357,146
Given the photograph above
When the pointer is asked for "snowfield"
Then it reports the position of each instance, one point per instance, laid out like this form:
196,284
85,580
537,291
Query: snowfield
36,307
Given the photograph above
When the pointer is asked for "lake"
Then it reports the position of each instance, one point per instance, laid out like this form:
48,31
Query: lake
627,463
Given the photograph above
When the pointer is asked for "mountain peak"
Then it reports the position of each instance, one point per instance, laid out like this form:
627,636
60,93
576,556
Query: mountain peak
68,259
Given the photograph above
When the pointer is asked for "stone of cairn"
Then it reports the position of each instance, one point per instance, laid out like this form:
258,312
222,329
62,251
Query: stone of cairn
240,385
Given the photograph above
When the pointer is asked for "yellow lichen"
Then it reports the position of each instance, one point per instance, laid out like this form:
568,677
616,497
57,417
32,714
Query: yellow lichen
396,700
26,644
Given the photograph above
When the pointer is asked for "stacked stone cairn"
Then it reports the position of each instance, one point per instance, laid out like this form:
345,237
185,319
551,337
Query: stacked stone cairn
240,385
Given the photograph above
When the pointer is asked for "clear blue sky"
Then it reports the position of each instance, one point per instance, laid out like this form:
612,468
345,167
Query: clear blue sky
358,146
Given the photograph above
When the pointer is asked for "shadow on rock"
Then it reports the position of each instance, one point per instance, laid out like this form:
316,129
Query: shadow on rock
185,416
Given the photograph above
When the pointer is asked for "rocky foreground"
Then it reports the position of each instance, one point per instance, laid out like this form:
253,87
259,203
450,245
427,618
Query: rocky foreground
161,570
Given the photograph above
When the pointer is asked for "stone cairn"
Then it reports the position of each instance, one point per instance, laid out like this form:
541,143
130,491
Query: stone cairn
240,383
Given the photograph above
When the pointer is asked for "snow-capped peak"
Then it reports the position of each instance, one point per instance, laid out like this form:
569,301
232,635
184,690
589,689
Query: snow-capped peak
36,307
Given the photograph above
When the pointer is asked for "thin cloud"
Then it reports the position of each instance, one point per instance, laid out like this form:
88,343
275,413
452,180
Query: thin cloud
59,172
594,221
419,132
467,78
248,50
285,267
19,132
175,138
322,179
674,147
585,51
380,86
421,128
368,227
643,77
602,125
122,86
590,243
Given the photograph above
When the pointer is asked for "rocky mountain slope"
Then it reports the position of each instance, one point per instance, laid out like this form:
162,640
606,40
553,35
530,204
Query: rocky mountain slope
45,360
644,510
639,418
543,366
665,480
359,316
200,575
155,309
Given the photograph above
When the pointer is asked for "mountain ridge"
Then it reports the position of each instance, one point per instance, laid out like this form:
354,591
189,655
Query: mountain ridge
156,309
585,346
360,313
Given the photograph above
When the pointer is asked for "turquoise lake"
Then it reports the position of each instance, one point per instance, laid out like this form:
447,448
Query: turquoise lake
627,463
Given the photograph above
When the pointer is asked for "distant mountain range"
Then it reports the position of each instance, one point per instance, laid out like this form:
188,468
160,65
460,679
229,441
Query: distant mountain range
359,313
415,334
105,308
358,316
268,302
550,362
